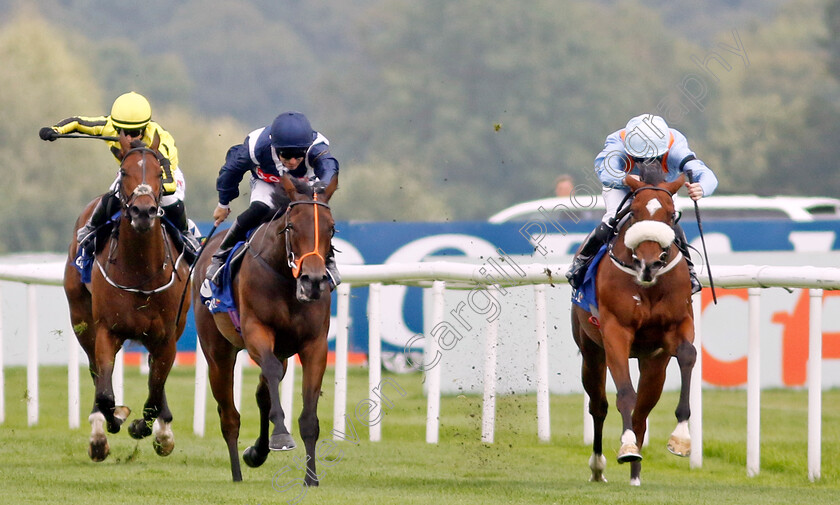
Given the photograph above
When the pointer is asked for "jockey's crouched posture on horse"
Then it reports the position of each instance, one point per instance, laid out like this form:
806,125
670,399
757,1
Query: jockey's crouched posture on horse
289,145
132,114
645,140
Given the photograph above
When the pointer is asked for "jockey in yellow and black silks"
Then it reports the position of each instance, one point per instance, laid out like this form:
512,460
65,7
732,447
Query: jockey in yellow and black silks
132,115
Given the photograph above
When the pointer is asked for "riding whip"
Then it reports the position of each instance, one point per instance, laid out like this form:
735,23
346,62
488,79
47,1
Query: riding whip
690,175
189,275
97,137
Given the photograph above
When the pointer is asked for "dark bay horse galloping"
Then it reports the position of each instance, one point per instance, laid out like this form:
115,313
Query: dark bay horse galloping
644,311
135,288
282,295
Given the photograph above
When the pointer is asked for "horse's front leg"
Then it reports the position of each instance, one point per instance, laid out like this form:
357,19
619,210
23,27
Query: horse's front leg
156,415
313,360
105,413
617,340
679,442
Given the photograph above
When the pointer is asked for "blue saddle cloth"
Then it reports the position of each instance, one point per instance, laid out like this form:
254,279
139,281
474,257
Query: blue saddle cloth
220,298
585,296
84,261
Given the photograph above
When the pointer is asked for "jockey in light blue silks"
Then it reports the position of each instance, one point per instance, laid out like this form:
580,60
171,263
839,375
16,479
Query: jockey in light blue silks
646,140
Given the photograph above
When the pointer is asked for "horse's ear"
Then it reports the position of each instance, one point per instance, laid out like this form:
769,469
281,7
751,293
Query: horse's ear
633,182
675,186
290,188
155,142
331,187
125,144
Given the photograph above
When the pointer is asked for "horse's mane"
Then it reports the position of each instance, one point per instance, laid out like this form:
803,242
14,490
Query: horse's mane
651,173
137,143
280,199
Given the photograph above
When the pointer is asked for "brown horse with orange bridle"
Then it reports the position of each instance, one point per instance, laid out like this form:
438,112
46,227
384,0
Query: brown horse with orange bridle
134,293
644,311
282,295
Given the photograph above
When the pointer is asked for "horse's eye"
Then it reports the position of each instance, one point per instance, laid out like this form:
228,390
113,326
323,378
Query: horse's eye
122,173
332,231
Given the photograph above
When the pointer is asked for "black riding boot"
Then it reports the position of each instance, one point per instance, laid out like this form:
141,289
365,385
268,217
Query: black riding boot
176,221
590,247
86,234
235,233
682,244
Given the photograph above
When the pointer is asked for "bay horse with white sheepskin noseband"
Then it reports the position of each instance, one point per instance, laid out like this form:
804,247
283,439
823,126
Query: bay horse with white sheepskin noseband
644,312
135,288
282,294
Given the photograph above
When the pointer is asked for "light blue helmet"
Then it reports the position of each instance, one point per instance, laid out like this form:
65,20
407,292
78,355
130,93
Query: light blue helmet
291,130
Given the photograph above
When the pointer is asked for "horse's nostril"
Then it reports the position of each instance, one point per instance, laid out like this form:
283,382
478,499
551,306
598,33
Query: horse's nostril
152,212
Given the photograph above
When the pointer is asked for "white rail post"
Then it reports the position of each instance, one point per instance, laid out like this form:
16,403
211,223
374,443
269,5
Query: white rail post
32,357
343,316
695,395
433,373
287,392
2,372
200,399
543,404
73,417
488,419
375,359
815,385
754,384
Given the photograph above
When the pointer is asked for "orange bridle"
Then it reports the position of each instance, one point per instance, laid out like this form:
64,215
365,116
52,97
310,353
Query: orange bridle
297,263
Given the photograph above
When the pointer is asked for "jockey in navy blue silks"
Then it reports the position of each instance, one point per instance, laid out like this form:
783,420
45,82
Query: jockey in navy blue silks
289,145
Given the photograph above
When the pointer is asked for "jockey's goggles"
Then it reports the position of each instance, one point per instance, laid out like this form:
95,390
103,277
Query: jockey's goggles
646,161
137,132
290,154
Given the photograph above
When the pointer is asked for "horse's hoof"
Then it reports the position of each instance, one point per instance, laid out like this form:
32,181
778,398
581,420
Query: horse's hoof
597,463
253,457
636,481
121,413
281,442
164,442
679,446
310,481
629,453
98,449
139,429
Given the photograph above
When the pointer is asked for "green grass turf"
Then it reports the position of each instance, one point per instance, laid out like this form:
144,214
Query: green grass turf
48,463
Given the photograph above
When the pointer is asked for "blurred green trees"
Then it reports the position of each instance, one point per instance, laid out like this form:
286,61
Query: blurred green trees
436,110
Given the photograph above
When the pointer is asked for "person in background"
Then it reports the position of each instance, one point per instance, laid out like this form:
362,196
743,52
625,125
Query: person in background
131,114
645,140
564,184
288,145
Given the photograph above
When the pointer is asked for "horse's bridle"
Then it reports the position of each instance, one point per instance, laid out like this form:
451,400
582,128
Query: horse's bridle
296,263
620,214
142,189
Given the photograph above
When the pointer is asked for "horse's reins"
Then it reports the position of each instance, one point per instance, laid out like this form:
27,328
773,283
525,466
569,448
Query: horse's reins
142,189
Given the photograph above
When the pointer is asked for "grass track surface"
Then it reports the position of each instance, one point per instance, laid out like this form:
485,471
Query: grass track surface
49,463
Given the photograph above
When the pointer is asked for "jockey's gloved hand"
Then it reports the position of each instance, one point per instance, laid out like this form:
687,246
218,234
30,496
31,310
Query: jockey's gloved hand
47,133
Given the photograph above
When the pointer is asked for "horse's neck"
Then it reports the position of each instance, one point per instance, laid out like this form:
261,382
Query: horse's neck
269,245
141,252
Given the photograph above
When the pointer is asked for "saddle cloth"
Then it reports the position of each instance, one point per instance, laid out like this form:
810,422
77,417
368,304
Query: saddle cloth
585,296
